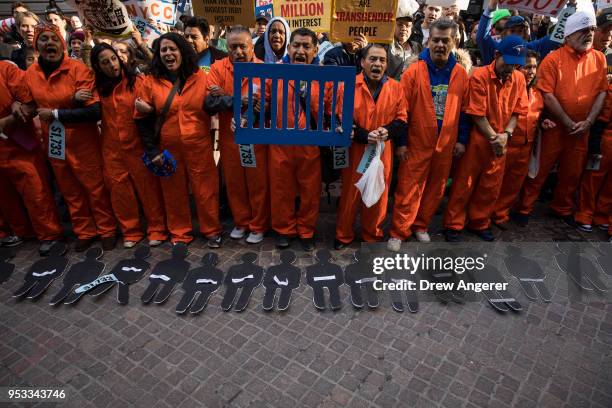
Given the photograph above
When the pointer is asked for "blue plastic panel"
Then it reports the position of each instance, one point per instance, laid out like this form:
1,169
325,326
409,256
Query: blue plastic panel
282,77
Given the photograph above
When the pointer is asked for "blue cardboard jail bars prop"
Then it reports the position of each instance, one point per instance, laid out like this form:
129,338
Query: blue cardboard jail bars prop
284,135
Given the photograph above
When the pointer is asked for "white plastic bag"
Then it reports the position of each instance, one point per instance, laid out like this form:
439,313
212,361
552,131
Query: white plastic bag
372,182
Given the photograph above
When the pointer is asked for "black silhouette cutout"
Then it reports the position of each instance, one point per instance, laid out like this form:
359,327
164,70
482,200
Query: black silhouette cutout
450,278
501,300
43,272
79,274
324,274
6,268
407,296
579,268
528,273
361,277
166,275
246,276
284,277
604,257
200,284
126,272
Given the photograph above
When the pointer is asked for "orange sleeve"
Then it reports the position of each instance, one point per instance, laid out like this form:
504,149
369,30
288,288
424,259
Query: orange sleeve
477,94
144,92
401,111
214,77
522,102
85,79
605,113
603,69
547,74
16,84
407,85
465,79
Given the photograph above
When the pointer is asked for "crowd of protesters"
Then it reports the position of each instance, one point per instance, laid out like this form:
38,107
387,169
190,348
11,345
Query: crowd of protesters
123,132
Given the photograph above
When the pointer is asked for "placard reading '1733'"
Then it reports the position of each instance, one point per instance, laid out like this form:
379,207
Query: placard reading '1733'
226,12
373,18
313,14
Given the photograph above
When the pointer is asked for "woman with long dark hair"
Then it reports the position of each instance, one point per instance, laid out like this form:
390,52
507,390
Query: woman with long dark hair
175,91
125,175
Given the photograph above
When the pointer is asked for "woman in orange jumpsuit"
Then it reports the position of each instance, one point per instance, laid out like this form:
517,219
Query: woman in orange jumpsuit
62,88
185,134
126,177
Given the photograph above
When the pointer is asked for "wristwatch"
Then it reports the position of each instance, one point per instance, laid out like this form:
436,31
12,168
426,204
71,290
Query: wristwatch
508,133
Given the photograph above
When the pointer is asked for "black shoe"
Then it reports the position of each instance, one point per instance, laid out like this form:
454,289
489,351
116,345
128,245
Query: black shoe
569,220
108,243
338,245
45,247
214,242
452,235
485,234
83,244
307,244
283,241
522,220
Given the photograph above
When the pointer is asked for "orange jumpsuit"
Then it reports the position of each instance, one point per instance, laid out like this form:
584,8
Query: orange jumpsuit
186,135
422,176
79,176
595,197
24,181
369,115
293,171
518,156
575,80
247,187
124,171
478,178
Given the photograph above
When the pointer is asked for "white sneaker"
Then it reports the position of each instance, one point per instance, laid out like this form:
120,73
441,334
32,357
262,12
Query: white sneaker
585,227
422,236
255,237
129,244
603,227
237,233
155,242
394,244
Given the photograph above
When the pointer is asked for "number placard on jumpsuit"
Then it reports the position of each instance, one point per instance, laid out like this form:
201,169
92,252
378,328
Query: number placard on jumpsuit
247,155
57,140
341,157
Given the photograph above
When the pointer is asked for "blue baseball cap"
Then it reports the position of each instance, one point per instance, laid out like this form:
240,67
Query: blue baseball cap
515,21
513,49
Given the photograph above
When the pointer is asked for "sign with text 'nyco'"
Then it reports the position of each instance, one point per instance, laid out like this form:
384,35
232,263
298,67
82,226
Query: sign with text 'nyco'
307,92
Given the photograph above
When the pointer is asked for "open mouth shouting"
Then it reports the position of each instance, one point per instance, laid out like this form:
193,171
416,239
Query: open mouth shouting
300,59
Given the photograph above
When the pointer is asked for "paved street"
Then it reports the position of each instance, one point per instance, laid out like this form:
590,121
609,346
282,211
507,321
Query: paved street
549,355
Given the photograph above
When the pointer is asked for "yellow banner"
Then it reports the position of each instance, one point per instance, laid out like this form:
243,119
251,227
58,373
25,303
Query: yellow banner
373,18
226,12
313,14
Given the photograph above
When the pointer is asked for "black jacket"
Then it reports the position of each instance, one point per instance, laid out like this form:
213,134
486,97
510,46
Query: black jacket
339,57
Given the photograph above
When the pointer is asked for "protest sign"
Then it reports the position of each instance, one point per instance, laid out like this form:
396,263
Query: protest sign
107,17
546,7
558,33
147,31
263,8
604,4
313,14
162,11
373,18
7,24
226,12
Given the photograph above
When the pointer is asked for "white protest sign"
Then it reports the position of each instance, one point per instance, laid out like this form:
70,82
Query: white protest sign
603,4
147,31
546,7
558,32
162,11
107,17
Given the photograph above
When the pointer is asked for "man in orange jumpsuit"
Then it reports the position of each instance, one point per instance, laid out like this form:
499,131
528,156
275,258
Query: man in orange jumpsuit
497,96
595,197
57,83
435,88
296,170
246,178
520,145
379,115
573,82
24,181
